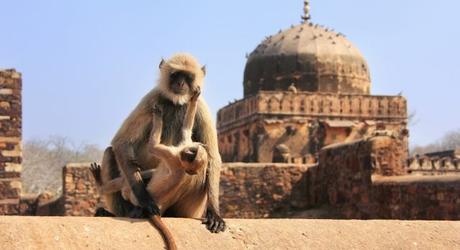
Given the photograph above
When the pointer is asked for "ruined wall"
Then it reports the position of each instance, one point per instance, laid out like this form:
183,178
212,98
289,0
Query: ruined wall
247,191
10,141
417,198
263,190
351,178
80,196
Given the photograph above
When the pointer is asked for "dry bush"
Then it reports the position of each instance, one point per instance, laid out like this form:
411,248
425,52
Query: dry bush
43,160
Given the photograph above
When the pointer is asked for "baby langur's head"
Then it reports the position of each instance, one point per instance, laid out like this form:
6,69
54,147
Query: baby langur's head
180,76
194,157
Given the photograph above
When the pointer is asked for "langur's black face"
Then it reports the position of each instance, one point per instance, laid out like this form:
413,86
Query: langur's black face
180,82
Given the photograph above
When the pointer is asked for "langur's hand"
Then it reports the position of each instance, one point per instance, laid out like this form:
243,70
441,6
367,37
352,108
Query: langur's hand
214,222
195,94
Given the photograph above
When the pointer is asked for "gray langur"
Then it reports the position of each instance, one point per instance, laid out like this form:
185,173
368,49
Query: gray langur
131,148
177,162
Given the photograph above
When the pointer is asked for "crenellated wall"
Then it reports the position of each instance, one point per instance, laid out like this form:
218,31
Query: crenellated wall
438,163
10,141
308,104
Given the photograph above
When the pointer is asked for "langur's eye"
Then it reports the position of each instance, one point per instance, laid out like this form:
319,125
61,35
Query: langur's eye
189,78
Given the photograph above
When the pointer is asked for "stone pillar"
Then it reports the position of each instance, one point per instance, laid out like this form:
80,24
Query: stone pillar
10,141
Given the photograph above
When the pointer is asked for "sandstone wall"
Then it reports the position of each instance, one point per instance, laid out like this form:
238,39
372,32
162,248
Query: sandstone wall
10,141
417,198
358,180
80,196
350,178
263,190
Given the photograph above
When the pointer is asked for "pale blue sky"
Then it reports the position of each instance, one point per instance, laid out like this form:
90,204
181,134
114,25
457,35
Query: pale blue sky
86,64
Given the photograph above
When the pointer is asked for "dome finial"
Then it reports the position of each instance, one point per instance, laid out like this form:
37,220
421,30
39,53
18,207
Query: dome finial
306,9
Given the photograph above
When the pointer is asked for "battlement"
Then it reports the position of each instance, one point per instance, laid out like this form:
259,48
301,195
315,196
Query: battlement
313,105
436,163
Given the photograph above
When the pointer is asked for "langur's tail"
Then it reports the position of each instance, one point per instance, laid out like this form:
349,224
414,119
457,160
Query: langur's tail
164,231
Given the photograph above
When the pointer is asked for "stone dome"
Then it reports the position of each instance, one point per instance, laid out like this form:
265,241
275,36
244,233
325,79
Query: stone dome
309,56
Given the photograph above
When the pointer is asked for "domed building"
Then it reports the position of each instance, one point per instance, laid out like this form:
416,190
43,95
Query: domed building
304,88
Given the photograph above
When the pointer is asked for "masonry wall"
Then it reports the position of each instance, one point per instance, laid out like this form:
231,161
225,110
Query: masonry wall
417,198
263,190
365,179
80,196
10,141
350,177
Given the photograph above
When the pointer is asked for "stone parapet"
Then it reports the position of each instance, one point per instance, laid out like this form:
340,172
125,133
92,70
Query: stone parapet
313,105
114,233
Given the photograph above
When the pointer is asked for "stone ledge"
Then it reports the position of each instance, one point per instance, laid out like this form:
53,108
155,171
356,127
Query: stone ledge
118,233
411,179
230,165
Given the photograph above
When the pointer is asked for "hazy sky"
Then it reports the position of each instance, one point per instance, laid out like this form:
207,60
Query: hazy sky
86,64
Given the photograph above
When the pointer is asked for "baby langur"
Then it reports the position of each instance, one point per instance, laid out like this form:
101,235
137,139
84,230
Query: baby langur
187,157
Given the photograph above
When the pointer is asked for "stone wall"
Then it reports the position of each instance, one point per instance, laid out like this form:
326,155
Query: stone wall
364,179
80,196
350,178
417,197
263,190
10,141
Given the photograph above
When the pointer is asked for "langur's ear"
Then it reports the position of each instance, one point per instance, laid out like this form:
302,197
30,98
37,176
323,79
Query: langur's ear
203,69
161,63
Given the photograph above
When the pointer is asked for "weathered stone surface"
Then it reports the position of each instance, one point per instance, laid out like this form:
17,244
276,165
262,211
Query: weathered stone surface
349,177
309,56
114,233
10,141
251,129
263,190
80,195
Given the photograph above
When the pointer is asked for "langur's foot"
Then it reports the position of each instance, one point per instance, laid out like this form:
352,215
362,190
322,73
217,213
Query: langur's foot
102,212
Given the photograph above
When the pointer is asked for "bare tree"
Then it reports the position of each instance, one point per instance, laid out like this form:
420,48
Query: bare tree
43,160
451,140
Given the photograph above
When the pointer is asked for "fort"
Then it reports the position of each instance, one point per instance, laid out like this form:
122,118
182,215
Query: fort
308,140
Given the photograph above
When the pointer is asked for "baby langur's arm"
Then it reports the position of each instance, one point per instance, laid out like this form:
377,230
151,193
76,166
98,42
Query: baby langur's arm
159,150
189,118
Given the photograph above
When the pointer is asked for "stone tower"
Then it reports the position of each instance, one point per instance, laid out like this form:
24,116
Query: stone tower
10,141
